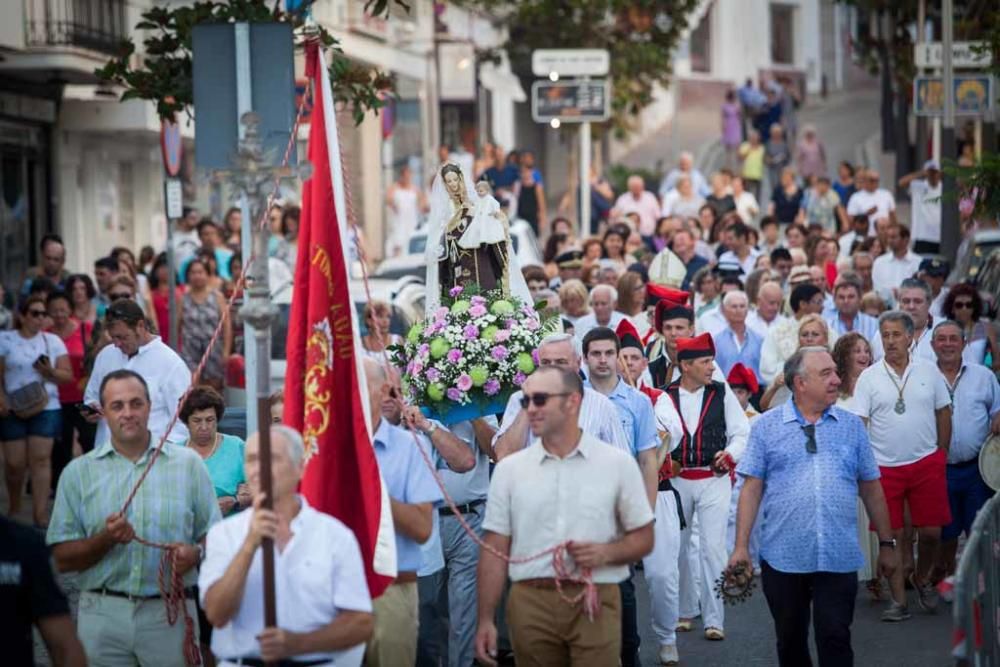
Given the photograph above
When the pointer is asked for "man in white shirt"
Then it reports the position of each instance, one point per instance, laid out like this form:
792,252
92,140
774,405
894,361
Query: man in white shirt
135,348
715,431
925,206
858,233
767,313
603,302
322,598
892,268
906,406
640,201
597,417
875,202
975,405
568,487
740,251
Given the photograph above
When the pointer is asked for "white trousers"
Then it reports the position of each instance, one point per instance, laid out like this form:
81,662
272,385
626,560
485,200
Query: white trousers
754,532
661,568
709,500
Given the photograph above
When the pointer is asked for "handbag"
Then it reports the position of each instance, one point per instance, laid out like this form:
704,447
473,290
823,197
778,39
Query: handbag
29,400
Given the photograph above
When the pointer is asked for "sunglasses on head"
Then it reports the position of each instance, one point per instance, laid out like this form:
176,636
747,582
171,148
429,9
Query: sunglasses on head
539,399
810,431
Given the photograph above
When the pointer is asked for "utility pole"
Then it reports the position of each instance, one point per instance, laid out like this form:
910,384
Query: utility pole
950,231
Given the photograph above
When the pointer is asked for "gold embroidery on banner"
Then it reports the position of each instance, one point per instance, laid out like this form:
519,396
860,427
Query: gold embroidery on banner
319,365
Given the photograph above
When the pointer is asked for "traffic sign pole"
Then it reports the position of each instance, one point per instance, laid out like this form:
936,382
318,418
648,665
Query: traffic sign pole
171,149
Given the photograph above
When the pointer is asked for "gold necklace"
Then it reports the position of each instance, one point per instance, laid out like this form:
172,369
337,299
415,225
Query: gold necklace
215,446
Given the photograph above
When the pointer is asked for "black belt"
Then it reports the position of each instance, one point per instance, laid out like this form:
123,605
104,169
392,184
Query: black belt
665,485
286,662
467,508
965,464
189,593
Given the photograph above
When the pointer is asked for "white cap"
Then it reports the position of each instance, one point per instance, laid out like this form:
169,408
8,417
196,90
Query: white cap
932,165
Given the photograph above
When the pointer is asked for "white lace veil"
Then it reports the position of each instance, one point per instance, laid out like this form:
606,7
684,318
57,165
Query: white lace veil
442,209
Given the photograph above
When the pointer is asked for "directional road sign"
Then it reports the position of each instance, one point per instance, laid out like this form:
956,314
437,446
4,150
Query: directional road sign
570,62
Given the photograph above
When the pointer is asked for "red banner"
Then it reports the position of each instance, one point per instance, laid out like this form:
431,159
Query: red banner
324,391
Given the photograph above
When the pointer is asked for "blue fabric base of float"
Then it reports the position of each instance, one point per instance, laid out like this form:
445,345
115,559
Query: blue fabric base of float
461,413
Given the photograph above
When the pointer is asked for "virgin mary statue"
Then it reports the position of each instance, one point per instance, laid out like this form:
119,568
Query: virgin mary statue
464,248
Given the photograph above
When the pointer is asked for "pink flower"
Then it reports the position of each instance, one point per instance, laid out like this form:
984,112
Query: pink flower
499,352
520,378
470,332
492,387
440,313
531,324
454,356
454,395
455,291
464,382
432,374
477,311
477,301
502,336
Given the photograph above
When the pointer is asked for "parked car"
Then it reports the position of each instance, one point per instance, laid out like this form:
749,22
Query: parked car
981,268
522,237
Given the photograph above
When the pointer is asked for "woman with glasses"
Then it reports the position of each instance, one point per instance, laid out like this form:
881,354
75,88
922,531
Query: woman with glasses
964,305
31,359
77,435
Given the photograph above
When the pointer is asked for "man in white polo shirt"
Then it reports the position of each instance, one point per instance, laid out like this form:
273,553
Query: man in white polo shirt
873,201
907,407
925,203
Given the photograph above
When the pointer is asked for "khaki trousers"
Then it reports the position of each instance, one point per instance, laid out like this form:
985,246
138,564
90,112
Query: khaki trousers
117,631
545,631
394,639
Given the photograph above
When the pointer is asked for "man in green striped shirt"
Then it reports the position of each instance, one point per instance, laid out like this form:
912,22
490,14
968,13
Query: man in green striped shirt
121,618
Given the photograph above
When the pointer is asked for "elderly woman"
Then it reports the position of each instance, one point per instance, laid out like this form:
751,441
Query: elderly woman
573,300
377,316
813,332
223,454
33,363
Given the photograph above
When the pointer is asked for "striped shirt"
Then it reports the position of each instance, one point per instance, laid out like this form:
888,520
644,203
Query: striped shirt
176,503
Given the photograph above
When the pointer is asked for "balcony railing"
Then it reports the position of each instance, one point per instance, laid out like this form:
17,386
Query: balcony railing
98,25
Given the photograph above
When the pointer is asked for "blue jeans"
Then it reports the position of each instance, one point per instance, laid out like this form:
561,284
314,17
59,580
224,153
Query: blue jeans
967,493
458,611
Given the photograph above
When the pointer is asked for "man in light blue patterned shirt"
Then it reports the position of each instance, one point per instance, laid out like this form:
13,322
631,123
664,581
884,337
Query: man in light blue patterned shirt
121,614
806,463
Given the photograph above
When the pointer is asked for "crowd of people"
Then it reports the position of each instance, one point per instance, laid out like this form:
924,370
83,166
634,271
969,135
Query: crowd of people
792,392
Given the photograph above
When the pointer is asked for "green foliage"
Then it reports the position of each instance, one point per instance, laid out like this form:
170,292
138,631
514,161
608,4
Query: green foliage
641,36
981,183
164,76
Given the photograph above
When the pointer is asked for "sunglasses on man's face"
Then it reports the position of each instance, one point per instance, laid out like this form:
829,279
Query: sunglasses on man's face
539,399
810,431
117,296
37,313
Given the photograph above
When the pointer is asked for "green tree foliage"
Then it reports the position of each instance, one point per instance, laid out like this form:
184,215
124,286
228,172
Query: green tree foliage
641,36
164,74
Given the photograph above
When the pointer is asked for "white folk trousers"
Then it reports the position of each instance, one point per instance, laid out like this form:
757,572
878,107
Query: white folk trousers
709,500
661,568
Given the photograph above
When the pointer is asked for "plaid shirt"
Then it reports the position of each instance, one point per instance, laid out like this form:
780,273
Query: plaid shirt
176,503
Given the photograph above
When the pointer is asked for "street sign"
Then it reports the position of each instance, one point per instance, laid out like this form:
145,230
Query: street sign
930,55
171,146
174,194
578,101
973,95
570,62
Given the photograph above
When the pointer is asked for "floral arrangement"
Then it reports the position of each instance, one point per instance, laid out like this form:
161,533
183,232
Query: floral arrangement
473,352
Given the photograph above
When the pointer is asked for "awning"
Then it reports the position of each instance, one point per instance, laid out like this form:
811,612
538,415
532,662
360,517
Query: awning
500,80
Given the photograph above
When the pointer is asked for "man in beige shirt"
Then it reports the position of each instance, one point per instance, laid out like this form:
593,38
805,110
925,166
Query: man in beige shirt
567,487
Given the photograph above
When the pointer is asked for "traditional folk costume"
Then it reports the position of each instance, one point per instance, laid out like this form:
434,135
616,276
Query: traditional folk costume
661,565
670,305
712,422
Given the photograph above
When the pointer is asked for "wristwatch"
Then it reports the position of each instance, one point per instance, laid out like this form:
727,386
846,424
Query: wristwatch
430,431
891,543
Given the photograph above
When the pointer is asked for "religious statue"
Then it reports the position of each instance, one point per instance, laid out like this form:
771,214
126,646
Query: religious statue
468,240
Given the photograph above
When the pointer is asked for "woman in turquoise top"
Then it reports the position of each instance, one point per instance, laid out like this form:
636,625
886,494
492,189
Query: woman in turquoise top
222,454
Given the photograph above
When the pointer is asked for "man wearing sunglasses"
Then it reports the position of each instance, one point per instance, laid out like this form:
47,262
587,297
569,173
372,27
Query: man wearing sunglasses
715,431
598,416
806,463
569,486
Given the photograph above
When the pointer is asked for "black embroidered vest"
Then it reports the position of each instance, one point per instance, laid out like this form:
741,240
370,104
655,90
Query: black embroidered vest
698,448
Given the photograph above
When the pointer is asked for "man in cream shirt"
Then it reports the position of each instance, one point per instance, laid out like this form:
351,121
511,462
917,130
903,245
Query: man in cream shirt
567,488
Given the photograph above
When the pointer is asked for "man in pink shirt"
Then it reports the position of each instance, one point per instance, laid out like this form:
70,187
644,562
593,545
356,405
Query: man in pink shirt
640,201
